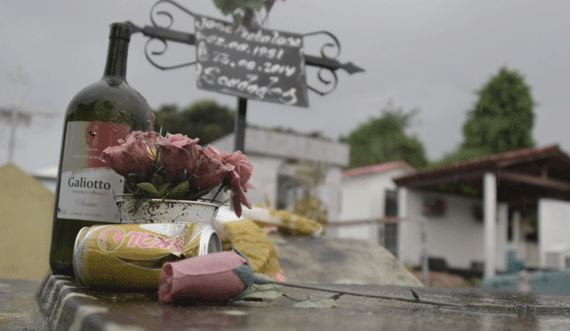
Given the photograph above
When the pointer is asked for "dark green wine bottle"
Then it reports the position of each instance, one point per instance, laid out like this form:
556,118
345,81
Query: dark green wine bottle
97,117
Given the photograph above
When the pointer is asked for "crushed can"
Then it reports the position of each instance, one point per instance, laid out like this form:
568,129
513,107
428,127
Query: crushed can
130,256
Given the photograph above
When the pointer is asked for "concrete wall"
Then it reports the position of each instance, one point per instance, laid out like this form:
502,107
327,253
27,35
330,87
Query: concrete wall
553,226
268,151
264,178
456,236
288,146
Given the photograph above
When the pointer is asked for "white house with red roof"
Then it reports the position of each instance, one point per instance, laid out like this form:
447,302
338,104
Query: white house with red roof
369,204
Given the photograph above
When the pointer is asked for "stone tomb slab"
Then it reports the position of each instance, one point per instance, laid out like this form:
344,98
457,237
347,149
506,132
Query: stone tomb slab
68,306
340,261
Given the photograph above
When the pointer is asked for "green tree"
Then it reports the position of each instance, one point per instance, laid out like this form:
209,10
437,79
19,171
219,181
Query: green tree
500,121
384,139
246,11
203,119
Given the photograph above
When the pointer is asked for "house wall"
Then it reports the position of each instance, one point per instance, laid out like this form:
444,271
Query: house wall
362,199
553,226
456,236
330,193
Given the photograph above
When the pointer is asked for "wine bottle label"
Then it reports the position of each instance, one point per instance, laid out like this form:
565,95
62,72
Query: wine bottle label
87,184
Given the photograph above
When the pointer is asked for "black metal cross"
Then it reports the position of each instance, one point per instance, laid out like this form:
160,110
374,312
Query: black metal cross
164,34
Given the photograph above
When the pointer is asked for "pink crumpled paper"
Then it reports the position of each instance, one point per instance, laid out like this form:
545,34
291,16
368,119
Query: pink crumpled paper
218,277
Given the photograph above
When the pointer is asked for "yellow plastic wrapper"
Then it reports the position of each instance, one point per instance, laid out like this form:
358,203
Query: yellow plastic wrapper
246,234
248,238
131,255
294,224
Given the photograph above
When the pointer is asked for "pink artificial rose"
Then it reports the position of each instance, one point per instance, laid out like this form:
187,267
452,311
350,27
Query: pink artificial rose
210,171
132,155
178,152
212,152
182,141
205,279
243,167
239,178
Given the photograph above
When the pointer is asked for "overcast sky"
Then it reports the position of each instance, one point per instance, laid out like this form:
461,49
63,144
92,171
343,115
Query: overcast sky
429,54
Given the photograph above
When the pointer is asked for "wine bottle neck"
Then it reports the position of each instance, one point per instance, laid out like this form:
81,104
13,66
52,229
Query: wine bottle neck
117,53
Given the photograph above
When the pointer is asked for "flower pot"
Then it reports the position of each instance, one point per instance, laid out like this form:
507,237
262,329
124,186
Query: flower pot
161,211
166,211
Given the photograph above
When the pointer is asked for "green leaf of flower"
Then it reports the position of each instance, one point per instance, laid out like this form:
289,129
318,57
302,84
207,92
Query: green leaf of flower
149,188
162,189
415,294
264,291
183,175
199,194
178,192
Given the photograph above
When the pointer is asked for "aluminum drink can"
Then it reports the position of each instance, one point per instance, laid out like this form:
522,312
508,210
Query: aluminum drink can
80,236
130,256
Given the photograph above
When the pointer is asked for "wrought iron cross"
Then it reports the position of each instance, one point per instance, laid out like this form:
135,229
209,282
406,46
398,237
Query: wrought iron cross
164,33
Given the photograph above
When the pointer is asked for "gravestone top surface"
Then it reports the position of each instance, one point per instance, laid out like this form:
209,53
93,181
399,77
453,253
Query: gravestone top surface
61,303
68,306
18,309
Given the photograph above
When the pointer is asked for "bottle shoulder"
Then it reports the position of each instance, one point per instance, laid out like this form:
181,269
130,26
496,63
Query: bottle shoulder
103,90
110,100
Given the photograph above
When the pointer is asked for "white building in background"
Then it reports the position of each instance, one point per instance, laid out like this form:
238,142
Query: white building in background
476,216
465,211
285,164
554,235
369,204
453,229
